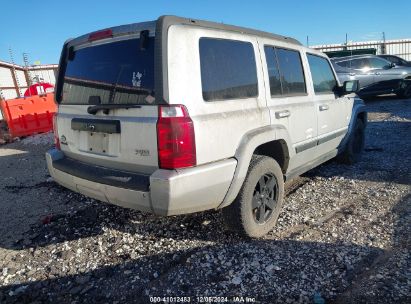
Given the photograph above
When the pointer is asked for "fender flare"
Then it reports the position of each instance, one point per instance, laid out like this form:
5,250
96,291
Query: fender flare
249,142
358,108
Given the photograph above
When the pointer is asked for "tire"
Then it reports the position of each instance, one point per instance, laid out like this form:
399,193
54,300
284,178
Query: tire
405,92
252,214
355,145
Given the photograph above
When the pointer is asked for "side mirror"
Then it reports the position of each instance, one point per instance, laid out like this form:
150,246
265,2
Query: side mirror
392,65
350,86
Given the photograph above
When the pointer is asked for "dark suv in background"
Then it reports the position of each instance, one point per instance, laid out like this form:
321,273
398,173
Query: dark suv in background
396,60
376,75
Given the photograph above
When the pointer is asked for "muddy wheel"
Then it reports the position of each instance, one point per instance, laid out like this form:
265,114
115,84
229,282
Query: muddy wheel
355,145
256,209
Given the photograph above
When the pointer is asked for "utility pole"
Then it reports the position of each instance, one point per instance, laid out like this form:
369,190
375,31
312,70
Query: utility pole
346,41
383,45
14,75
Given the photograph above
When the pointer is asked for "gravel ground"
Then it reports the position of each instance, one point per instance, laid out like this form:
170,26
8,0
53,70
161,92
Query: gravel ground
343,235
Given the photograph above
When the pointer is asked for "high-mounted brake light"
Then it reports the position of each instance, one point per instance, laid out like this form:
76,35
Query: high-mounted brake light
100,35
56,133
175,138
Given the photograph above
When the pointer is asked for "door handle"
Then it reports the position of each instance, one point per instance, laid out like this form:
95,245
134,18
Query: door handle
282,114
377,73
324,107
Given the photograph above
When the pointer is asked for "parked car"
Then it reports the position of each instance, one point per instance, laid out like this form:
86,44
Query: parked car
396,60
376,75
179,115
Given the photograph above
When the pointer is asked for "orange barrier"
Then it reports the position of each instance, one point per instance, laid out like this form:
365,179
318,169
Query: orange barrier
30,115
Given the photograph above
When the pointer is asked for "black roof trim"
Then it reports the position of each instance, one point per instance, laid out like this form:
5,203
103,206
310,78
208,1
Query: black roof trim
345,58
170,20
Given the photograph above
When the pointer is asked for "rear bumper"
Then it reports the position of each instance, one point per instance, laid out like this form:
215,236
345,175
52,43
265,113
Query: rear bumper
165,192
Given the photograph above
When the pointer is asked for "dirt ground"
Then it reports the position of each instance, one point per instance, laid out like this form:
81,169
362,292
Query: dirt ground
343,235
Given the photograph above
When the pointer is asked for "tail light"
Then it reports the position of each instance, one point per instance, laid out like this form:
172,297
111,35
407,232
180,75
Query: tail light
108,33
175,138
55,131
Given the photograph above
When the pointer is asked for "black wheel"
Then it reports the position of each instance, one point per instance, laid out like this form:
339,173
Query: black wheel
405,91
355,144
255,210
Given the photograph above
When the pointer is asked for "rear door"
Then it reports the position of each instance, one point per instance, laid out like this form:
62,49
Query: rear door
108,113
362,71
288,100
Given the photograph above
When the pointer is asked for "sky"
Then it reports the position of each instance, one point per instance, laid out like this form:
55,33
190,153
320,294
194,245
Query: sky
39,28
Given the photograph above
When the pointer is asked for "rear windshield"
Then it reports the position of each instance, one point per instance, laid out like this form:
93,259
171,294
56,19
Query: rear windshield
115,73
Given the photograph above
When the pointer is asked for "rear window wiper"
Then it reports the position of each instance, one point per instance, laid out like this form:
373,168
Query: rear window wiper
94,109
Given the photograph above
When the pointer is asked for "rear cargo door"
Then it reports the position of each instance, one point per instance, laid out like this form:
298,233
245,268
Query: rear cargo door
108,112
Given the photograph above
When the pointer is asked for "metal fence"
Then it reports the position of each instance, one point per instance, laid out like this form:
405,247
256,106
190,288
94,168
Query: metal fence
15,79
401,47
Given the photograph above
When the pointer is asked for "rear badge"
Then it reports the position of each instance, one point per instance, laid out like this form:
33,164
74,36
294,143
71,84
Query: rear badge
63,140
142,152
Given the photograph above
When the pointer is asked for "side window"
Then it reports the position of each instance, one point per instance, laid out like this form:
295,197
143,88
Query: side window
393,59
377,63
291,70
360,64
228,69
273,72
344,64
322,74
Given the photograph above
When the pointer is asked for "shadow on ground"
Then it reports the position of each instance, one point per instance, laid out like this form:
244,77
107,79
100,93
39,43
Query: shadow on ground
191,272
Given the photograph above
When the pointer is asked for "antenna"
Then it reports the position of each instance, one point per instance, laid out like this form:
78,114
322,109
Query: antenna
26,66
14,72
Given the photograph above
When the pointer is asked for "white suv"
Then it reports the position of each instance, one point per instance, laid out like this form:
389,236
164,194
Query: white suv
178,115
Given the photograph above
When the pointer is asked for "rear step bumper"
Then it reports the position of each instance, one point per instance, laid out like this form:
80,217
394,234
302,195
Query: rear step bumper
165,192
101,175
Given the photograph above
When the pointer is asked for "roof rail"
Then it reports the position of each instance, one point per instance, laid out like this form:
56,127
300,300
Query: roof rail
170,20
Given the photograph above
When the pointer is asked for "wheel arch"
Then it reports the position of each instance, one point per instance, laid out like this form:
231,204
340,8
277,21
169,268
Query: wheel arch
273,141
358,111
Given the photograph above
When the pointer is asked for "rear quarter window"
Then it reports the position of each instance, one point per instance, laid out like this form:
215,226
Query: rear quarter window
228,69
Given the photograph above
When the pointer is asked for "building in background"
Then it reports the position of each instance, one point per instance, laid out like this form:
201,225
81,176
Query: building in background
15,79
399,47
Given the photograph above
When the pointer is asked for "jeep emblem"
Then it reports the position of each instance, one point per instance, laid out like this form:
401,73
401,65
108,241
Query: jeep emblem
91,127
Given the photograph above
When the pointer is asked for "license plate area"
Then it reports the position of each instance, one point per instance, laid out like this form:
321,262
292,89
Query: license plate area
96,125
98,136
98,143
